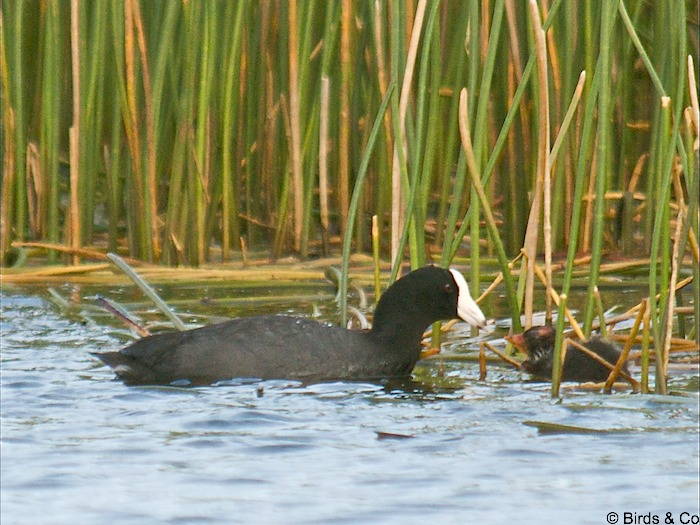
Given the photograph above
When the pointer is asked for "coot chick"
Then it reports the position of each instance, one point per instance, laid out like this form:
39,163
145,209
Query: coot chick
538,344
286,347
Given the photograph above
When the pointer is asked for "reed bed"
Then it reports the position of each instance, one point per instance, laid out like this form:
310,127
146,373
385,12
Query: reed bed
192,132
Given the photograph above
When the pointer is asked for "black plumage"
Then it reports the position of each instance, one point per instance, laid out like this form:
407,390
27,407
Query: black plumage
278,346
538,344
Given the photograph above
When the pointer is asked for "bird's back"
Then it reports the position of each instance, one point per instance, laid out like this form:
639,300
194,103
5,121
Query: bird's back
581,367
265,347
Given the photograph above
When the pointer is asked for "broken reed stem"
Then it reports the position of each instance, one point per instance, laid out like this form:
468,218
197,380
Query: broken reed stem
147,289
543,164
120,313
573,105
625,352
503,356
498,279
609,366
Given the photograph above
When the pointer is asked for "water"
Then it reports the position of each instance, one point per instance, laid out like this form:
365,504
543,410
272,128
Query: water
80,447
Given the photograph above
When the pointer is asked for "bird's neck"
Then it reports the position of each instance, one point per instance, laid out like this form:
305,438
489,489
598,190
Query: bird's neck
402,329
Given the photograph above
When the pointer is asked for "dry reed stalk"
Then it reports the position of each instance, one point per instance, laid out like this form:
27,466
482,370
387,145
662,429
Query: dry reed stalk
295,124
345,125
684,310
675,263
693,89
118,311
575,98
676,342
74,131
324,139
428,351
596,357
617,195
147,289
684,350
637,172
625,351
681,284
375,258
484,25
594,387
585,259
511,18
556,298
482,362
81,252
491,287
382,75
503,357
601,312
533,223
543,164
397,197
694,247
104,278
553,58
10,276
474,174
244,251
617,266
678,190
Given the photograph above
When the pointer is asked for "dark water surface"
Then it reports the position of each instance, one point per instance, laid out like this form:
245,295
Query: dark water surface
80,447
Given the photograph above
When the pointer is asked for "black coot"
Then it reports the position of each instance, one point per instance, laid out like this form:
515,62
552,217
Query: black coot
538,344
278,346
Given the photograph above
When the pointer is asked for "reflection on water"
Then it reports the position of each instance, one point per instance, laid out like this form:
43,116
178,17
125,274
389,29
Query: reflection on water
80,447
